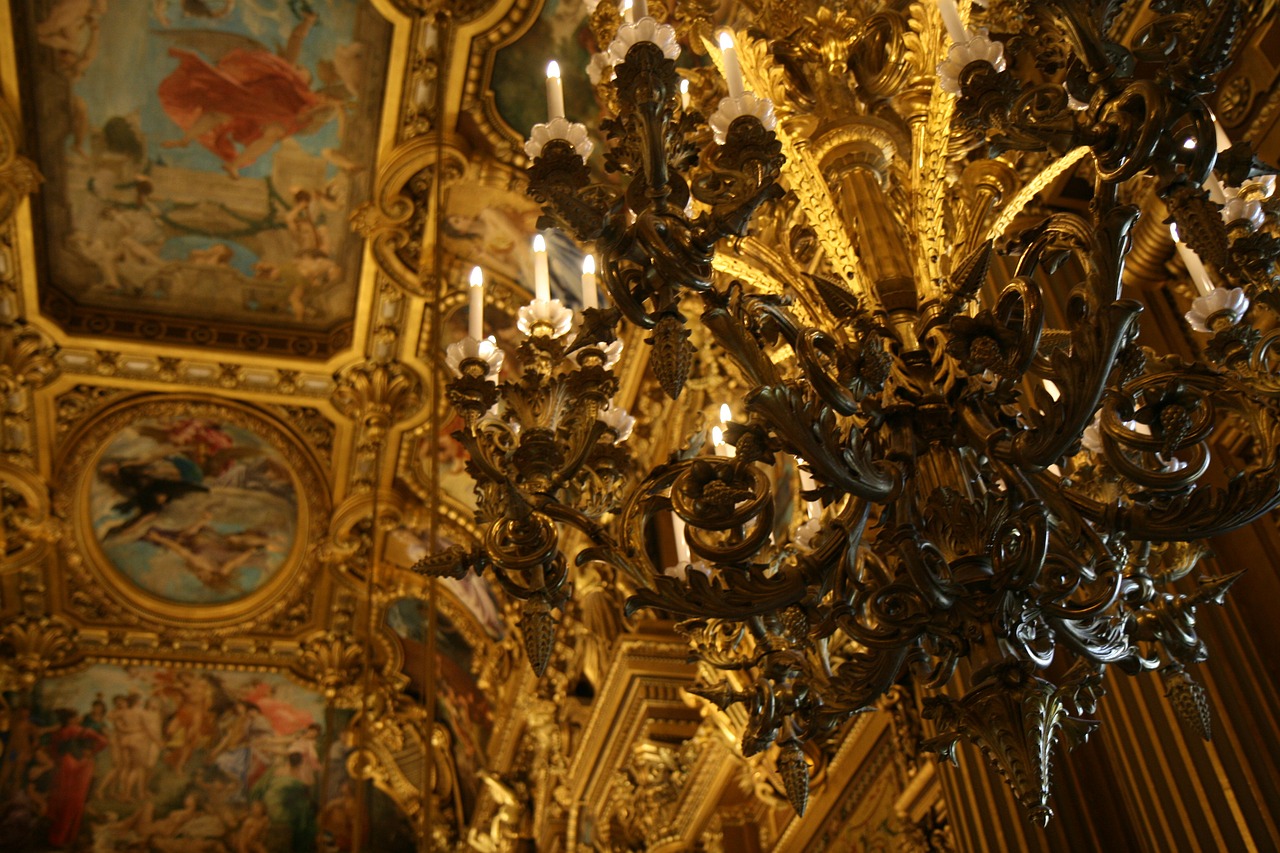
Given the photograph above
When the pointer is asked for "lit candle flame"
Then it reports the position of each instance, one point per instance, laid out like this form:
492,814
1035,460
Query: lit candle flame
555,92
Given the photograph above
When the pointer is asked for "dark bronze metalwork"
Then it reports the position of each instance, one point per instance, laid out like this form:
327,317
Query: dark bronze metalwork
998,493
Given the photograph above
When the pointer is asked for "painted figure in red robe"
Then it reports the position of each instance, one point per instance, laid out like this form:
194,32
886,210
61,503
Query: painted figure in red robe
73,746
250,96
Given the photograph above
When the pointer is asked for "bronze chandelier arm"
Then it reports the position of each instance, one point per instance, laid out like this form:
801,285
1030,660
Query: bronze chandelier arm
1082,378
573,464
1169,622
1084,26
869,674
810,431
1089,609
751,594
486,466
1103,640
938,591
1205,513
810,576
560,181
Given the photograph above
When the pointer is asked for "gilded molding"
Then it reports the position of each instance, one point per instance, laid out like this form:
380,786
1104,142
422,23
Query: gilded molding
377,396
348,546
505,142
19,176
332,661
395,220
27,363
135,366
26,528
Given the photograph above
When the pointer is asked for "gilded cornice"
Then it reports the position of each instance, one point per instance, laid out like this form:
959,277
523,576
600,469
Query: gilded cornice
646,681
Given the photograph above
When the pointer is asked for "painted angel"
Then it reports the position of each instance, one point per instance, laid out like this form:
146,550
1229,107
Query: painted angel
238,99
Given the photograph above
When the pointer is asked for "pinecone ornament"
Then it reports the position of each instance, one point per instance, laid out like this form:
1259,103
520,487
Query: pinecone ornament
1187,696
796,624
672,354
794,771
539,629
1175,423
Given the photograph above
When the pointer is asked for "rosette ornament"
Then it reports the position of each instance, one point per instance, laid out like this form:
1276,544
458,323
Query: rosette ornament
559,128
645,29
979,48
1220,307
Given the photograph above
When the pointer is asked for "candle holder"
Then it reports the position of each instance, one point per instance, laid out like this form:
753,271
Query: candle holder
546,449
650,249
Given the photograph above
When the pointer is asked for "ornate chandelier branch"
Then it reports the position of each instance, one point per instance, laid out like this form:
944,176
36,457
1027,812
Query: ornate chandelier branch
544,449
997,495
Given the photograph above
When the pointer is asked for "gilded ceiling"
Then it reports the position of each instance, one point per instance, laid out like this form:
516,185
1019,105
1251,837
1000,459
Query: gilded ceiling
187,500
223,232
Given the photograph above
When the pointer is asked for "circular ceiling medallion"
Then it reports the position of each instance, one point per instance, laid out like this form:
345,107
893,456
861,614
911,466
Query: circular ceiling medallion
193,507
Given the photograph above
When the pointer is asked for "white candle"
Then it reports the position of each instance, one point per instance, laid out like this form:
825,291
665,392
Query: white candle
476,316
684,94
628,17
541,272
951,18
1195,267
682,545
555,92
1214,188
590,299
732,71
640,9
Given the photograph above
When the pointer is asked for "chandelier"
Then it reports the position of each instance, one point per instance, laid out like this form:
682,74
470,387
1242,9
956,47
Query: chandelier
999,511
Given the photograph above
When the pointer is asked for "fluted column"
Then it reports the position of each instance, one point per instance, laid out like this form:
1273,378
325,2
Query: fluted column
856,170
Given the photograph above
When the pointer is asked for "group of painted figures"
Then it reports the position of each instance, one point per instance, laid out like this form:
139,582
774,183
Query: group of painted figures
188,762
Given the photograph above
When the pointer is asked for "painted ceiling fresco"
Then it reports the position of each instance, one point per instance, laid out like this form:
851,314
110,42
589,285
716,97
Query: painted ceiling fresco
201,163
178,759
192,510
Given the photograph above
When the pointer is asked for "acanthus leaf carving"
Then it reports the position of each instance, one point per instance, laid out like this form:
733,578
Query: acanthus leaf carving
31,646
